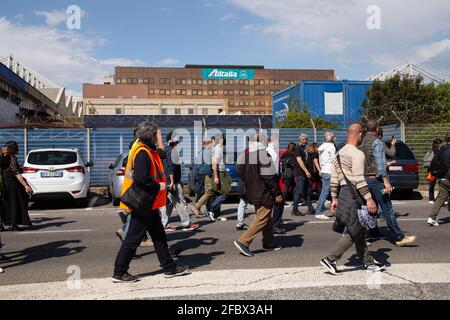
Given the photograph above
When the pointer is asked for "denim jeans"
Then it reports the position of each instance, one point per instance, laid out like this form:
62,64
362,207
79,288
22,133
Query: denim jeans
326,179
384,203
241,211
216,205
302,186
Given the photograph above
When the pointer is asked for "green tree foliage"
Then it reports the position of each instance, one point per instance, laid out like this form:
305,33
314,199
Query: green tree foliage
443,95
406,99
302,119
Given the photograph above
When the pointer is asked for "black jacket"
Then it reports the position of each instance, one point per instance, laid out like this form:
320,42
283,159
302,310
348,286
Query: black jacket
440,165
258,175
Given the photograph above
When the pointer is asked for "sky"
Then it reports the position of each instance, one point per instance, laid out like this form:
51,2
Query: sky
351,37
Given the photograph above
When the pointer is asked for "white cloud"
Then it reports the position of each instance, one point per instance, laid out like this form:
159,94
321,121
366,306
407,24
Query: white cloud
54,17
169,62
228,17
339,27
62,56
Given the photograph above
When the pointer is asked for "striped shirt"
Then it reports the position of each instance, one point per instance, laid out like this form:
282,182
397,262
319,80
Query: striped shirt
353,164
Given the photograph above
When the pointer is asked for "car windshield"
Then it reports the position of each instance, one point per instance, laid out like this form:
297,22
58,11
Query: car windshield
52,158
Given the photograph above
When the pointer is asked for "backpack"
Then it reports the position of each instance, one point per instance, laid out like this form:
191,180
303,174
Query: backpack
287,167
428,158
438,166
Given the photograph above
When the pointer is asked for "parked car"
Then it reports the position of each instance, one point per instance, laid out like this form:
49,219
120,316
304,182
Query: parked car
403,170
57,174
116,177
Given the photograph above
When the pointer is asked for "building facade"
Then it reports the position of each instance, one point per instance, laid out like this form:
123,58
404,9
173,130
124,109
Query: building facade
193,90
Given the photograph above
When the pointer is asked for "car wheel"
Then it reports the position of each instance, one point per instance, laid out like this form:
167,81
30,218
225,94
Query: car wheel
116,202
83,203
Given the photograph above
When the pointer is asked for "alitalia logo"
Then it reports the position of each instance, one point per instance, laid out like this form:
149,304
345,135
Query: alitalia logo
237,74
216,73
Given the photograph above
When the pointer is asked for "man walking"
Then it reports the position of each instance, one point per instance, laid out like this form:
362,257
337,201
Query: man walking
302,176
327,155
172,168
440,168
379,184
347,198
258,173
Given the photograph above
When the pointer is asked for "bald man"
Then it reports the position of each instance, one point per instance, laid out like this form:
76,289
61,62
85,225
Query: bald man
351,163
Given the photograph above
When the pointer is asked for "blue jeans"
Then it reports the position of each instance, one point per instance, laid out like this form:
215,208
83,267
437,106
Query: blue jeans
241,211
216,204
385,204
302,186
326,179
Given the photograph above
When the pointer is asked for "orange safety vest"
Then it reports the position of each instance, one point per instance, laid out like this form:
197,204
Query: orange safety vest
156,172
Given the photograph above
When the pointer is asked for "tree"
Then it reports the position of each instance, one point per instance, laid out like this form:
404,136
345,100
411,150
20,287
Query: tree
406,100
443,95
302,119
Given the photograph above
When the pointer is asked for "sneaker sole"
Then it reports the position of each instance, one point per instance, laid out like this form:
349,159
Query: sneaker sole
121,281
185,272
242,251
374,271
330,269
272,250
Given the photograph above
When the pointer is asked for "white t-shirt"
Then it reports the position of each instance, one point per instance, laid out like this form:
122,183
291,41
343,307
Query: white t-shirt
218,155
327,155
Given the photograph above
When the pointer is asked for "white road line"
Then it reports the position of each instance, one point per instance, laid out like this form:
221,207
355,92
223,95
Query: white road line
54,231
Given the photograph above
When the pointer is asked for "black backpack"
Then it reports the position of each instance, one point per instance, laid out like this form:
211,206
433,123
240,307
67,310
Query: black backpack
287,167
438,166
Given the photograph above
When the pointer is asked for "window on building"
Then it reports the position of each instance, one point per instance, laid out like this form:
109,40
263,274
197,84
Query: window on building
135,81
216,82
151,92
177,111
118,81
210,82
129,80
277,82
231,82
119,110
190,111
247,93
225,82
204,111
164,111
241,92
164,81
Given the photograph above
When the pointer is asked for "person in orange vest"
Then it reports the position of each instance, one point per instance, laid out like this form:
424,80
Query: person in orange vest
145,168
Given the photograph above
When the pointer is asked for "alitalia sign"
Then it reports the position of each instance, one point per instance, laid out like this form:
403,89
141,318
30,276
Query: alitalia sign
228,74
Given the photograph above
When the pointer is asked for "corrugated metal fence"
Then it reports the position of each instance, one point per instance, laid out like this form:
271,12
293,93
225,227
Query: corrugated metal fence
102,146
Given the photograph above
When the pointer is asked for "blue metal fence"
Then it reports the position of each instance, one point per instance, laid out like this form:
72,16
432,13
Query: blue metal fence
107,143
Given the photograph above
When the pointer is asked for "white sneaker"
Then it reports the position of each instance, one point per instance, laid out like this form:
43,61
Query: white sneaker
446,203
322,217
431,202
432,222
328,203
1,270
211,216
222,219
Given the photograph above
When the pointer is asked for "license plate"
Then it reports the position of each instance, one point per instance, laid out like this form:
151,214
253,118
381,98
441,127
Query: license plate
52,174
396,168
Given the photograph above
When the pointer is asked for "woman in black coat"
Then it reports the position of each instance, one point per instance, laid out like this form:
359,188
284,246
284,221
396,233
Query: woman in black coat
16,189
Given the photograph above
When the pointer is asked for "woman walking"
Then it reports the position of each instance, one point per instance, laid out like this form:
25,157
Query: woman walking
287,162
16,189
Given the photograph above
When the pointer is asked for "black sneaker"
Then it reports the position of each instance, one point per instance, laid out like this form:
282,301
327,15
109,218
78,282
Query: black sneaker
375,267
174,253
330,266
243,249
176,272
125,278
279,230
271,248
296,213
241,227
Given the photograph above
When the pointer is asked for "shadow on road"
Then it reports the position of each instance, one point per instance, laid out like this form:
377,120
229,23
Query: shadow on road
95,201
40,223
56,249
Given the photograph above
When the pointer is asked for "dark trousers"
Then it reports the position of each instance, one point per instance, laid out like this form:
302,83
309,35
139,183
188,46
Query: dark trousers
277,215
139,224
302,187
432,185
288,187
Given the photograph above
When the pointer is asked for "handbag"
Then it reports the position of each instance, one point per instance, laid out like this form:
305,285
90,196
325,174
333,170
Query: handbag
365,219
138,199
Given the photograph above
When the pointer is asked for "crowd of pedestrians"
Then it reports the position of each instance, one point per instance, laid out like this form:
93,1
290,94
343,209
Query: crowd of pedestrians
352,182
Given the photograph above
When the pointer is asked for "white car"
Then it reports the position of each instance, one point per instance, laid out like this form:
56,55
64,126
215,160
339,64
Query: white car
55,174
116,177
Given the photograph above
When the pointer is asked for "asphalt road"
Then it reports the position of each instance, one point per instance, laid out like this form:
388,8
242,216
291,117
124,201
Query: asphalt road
86,238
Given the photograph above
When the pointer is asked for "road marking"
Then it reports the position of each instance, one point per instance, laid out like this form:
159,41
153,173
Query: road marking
54,231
